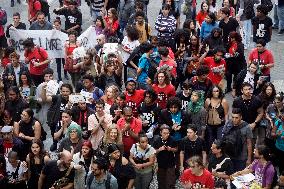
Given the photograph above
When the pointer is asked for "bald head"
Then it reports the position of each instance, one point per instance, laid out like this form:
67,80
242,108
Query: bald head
66,158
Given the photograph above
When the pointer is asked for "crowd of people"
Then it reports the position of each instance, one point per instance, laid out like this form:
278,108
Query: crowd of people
153,114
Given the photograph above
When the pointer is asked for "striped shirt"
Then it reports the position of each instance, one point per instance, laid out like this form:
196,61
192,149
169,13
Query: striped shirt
98,5
168,22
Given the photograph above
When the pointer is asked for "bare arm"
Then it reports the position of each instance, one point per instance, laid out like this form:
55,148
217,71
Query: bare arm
181,159
16,129
226,109
249,146
41,180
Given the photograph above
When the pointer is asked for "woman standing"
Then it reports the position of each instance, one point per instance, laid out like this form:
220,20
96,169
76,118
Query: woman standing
69,47
201,15
36,159
197,112
129,42
217,113
235,58
208,25
27,129
120,168
59,61
82,163
164,89
111,23
142,157
27,89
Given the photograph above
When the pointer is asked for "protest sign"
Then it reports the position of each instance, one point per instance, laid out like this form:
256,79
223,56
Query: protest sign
52,87
51,40
88,39
76,98
88,96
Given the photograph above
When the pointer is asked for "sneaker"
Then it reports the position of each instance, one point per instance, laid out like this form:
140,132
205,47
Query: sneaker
53,147
281,32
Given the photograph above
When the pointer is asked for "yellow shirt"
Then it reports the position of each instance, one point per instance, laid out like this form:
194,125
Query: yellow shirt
142,32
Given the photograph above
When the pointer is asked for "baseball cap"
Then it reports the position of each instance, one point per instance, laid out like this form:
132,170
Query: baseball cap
130,80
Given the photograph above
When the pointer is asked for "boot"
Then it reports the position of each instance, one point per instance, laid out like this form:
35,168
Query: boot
19,1
12,3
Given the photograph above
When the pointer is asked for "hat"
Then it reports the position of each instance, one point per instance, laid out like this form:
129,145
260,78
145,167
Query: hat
6,129
130,80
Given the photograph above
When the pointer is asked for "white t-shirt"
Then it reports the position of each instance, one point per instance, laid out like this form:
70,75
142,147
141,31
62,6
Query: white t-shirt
11,170
129,45
249,78
17,73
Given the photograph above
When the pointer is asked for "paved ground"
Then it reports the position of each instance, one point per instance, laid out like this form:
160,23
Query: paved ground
277,44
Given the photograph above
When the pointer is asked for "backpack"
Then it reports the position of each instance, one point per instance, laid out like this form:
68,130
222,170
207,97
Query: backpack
44,7
152,70
53,113
91,178
3,16
232,140
213,117
146,29
268,4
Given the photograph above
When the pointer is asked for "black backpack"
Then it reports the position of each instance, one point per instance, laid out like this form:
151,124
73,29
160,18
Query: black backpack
91,178
268,4
233,141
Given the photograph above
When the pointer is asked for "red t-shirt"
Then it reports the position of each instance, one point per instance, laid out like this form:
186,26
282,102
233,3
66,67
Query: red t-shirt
5,61
171,63
37,55
204,181
135,126
114,25
164,94
216,69
200,17
134,100
233,48
265,58
7,147
34,7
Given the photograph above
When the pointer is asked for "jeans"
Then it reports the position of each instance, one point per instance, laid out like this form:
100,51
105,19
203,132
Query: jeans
247,27
213,132
59,62
166,178
143,180
280,12
275,16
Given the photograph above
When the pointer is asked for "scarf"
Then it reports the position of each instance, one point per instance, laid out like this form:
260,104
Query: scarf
195,107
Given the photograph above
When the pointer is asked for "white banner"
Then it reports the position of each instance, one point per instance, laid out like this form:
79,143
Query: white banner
88,38
51,40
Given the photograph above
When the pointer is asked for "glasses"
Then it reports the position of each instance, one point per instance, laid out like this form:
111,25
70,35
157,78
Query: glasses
73,131
86,58
215,91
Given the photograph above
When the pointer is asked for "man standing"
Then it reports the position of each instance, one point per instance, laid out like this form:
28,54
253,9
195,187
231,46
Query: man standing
55,170
37,57
134,96
142,26
10,143
237,137
100,177
216,64
129,127
245,14
280,14
41,23
73,16
252,111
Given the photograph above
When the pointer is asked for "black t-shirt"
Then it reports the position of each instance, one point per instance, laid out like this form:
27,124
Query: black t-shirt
184,100
248,108
192,148
52,174
226,167
21,26
228,27
165,158
149,113
73,18
261,28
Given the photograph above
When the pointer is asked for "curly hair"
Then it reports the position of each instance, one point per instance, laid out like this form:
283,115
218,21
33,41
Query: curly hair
115,90
166,73
75,126
174,101
236,36
106,139
181,33
210,92
132,33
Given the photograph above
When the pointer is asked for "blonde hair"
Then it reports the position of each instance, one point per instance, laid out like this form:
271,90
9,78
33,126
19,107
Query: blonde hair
106,139
115,91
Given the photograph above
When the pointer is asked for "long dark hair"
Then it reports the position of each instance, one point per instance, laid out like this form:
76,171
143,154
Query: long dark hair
42,152
29,79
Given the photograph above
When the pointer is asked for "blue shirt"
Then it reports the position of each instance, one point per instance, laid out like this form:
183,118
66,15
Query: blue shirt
176,119
143,64
206,29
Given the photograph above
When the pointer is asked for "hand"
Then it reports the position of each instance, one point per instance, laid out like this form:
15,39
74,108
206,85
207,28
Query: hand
162,28
117,113
187,185
21,135
169,148
174,127
36,64
252,126
181,168
259,82
11,77
261,66
162,148
207,48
